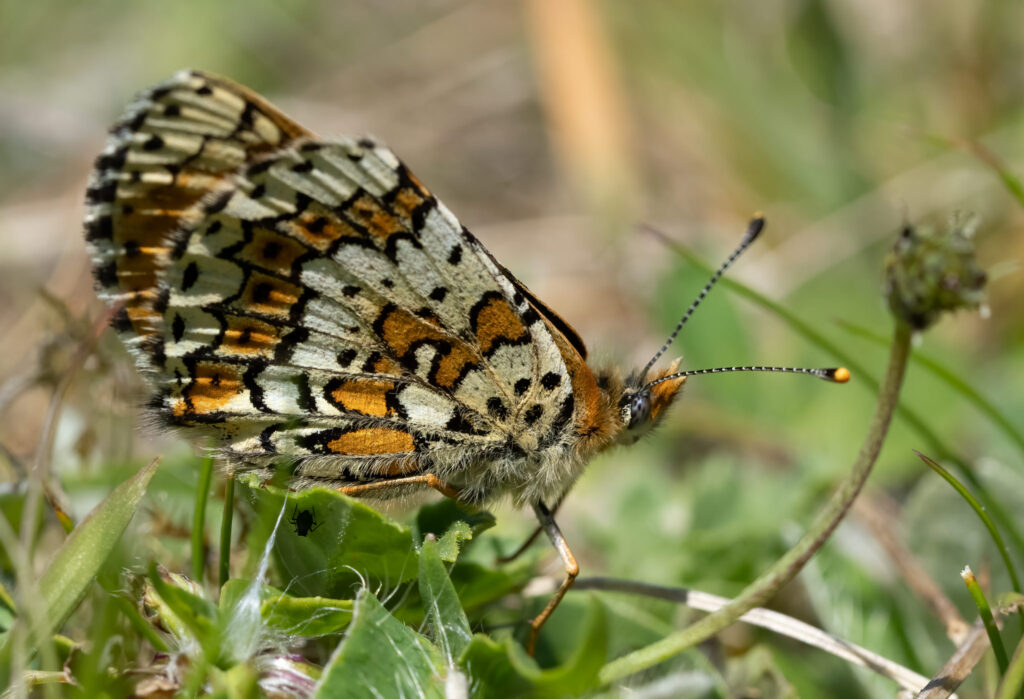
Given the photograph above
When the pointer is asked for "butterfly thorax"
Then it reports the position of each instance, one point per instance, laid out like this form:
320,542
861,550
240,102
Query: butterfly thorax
611,411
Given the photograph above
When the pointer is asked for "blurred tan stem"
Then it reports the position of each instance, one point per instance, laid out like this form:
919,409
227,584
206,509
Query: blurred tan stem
584,105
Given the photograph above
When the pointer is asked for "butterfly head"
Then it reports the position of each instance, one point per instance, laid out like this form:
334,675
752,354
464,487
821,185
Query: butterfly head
645,400
649,392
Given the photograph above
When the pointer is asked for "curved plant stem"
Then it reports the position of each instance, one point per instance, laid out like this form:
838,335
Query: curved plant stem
787,567
939,449
199,519
951,379
864,378
225,529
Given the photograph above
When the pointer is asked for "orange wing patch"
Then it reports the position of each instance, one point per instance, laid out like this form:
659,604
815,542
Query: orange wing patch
379,364
272,251
367,212
268,296
591,416
495,323
403,333
369,397
318,227
372,440
212,388
407,200
249,336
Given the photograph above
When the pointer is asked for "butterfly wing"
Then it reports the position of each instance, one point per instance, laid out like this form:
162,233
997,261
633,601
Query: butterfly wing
176,143
319,306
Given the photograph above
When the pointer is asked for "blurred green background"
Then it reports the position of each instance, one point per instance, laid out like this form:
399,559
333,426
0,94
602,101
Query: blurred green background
553,130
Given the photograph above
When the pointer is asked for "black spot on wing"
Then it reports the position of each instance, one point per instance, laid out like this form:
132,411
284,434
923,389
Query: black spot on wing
121,322
189,276
496,408
560,423
99,228
346,357
178,327
305,400
106,274
260,167
455,255
154,142
533,413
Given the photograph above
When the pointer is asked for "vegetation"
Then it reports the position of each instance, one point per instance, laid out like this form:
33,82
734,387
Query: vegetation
863,131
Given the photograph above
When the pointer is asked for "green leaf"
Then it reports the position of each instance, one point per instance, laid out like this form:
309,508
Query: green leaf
83,553
453,523
381,653
476,586
307,616
347,544
497,670
504,670
296,616
448,623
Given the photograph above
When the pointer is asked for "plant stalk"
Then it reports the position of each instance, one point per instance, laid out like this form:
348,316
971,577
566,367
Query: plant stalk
787,567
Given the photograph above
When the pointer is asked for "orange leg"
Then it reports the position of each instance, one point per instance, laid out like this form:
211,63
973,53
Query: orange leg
427,479
530,539
572,569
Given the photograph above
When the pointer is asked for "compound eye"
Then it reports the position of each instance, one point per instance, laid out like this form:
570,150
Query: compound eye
639,409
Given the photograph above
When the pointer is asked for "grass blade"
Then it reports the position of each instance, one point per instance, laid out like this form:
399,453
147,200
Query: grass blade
225,530
199,519
985,520
985,612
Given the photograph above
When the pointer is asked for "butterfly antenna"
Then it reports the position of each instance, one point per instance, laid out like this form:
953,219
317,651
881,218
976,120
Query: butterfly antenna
754,229
837,375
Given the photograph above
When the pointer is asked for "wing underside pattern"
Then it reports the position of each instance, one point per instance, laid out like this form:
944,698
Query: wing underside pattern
311,300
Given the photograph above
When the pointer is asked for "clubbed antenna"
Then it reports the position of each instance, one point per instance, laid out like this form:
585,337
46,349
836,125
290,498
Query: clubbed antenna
837,375
753,230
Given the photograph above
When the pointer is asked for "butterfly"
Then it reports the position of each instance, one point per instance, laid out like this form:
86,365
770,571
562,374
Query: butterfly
308,303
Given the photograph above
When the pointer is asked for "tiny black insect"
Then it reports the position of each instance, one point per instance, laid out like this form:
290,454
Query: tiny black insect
304,521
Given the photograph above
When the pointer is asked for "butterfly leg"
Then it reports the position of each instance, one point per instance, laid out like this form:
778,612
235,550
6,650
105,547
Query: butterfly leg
530,539
572,569
427,479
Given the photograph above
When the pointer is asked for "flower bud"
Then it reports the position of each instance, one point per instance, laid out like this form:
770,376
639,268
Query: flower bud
929,272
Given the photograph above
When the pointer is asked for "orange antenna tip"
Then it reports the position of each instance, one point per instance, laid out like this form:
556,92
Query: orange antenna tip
840,375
